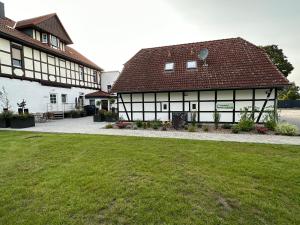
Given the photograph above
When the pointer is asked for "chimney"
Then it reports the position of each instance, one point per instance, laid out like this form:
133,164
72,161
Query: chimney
2,11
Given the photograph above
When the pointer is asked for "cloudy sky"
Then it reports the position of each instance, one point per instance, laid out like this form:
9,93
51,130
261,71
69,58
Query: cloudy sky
109,32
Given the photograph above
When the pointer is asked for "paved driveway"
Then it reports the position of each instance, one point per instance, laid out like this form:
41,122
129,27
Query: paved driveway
87,126
290,115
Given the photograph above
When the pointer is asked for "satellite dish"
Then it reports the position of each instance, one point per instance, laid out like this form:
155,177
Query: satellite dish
203,55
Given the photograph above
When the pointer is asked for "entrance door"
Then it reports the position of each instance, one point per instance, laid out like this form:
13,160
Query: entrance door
104,104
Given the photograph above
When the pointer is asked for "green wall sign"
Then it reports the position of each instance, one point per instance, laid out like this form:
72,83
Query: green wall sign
225,106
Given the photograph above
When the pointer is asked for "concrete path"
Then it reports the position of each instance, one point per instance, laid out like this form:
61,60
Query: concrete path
87,126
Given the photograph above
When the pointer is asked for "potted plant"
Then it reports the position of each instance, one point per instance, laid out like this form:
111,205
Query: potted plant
21,108
5,118
22,121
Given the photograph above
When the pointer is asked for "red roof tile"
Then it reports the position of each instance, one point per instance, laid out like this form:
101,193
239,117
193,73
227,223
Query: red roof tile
98,94
49,23
232,63
7,31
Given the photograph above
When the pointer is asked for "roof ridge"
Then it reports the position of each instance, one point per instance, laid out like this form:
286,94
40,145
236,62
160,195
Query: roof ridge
191,43
38,17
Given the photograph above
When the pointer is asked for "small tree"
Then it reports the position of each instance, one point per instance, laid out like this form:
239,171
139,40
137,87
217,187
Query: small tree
4,98
217,117
194,119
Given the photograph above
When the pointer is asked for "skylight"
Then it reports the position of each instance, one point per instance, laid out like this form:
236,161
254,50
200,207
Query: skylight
169,66
191,65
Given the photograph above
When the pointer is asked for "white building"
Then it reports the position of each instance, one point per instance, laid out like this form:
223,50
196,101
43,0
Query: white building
159,82
38,65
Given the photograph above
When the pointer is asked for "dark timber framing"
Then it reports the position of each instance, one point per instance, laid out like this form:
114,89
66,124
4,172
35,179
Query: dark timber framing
196,100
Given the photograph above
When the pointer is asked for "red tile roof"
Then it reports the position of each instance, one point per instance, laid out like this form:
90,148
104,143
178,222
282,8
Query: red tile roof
49,23
7,31
232,63
98,94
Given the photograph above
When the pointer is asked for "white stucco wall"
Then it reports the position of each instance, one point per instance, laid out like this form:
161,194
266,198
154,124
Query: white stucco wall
37,96
108,78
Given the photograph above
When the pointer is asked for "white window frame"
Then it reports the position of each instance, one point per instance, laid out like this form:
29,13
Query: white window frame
169,66
54,44
53,98
44,40
65,96
192,64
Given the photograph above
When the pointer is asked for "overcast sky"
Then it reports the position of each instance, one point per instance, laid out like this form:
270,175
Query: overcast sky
109,32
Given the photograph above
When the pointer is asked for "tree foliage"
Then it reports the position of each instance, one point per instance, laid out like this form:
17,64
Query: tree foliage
290,93
279,59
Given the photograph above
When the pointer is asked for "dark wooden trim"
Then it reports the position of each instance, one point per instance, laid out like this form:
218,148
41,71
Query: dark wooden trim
169,106
131,111
143,106
124,107
253,103
234,109
198,110
264,105
155,106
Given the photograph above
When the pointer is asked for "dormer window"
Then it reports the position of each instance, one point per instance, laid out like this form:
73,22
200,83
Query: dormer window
44,38
54,41
169,66
191,65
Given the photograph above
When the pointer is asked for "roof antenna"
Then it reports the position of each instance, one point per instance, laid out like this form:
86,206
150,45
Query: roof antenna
203,55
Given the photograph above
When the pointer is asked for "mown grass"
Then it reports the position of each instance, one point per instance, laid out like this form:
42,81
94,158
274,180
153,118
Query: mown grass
91,179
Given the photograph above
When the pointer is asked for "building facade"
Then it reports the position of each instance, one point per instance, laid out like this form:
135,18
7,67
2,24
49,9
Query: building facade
38,65
236,75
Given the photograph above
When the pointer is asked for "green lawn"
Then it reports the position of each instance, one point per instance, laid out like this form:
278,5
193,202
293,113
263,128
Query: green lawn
91,179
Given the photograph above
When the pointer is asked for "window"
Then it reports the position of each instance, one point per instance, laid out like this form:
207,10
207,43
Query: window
54,41
64,98
191,65
108,88
81,73
95,76
53,98
165,106
194,106
44,38
92,101
16,57
169,66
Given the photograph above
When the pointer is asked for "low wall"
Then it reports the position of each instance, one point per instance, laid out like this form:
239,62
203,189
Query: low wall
284,104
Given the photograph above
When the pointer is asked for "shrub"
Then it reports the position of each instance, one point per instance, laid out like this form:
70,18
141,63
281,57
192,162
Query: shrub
227,126
271,120
6,115
205,128
155,124
194,119
199,125
148,124
261,130
246,122
186,127
109,126
145,125
286,129
139,123
23,116
192,128
235,129
217,117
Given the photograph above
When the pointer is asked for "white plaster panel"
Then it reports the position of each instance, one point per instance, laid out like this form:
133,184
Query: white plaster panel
27,52
44,76
149,116
225,95
51,69
5,58
137,106
162,116
206,117
207,95
137,116
37,66
187,106
240,105
190,96
18,72
162,96
44,68
263,93
38,75
126,97
29,74
4,45
123,116
51,60
149,106
137,97
36,54
52,78
243,94
6,70
128,106
43,57
176,106
38,35
149,97
28,64
176,96
226,117
207,106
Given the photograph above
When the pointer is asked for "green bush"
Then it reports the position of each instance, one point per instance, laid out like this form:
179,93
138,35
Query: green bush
192,128
194,119
155,124
246,122
271,120
227,126
139,123
286,129
235,129
109,126
6,115
145,125
205,128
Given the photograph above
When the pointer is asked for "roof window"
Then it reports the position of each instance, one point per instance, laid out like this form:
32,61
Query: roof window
191,64
169,66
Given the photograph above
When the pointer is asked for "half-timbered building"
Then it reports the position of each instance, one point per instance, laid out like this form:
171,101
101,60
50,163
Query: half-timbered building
158,82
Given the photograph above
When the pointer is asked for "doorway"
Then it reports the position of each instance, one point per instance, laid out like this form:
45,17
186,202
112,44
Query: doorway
104,105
